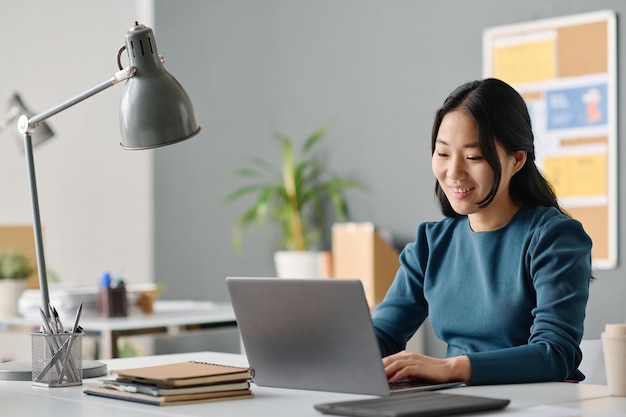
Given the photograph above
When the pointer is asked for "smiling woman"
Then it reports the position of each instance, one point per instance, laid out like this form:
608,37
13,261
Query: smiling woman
504,278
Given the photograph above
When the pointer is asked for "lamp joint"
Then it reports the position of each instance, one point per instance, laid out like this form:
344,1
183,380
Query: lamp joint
123,74
24,126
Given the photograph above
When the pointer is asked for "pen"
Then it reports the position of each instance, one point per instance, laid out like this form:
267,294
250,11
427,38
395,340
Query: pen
57,321
77,319
105,280
44,321
51,321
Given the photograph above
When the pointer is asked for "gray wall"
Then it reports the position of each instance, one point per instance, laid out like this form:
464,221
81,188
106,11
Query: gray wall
376,70
96,199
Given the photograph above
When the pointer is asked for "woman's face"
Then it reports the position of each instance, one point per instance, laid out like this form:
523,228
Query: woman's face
465,176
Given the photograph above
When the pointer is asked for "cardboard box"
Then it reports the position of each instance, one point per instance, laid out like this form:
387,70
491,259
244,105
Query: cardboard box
359,251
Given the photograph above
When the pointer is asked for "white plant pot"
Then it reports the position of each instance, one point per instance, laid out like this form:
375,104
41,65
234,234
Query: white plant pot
299,264
10,292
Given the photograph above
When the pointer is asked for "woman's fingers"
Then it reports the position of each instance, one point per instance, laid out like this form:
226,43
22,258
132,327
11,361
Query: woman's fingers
409,365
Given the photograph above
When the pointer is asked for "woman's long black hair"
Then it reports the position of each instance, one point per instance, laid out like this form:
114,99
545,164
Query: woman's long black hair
501,115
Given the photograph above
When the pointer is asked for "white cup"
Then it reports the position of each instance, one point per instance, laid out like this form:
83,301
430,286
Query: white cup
618,329
614,348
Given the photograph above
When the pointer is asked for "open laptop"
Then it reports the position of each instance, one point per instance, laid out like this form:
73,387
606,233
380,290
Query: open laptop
313,334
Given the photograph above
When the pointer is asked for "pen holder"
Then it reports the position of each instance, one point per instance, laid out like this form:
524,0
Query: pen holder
57,359
112,302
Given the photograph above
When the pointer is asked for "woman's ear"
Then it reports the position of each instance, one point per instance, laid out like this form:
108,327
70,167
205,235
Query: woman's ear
520,160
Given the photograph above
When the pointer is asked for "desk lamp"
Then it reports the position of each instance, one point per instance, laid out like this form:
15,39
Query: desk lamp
154,111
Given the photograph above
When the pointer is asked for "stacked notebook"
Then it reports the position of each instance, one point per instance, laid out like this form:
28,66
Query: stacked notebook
177,383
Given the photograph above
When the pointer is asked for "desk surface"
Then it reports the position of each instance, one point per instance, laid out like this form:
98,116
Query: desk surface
22,398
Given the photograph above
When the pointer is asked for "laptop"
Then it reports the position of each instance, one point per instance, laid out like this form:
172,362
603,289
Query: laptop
314,334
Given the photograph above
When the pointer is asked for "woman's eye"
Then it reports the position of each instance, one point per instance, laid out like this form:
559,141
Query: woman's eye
475,158
442,154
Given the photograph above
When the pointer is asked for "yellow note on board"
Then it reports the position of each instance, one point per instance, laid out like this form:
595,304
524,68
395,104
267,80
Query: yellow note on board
578,175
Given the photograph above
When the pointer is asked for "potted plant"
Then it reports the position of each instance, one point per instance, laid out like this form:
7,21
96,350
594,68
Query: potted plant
15,268
296,195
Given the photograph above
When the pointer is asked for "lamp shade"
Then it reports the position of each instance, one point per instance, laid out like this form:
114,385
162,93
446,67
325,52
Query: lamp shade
155,110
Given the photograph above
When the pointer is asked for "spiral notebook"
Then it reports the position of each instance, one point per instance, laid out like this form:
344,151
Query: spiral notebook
184,374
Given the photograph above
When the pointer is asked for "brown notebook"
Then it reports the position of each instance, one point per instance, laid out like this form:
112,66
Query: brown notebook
151,389
184,374
167,399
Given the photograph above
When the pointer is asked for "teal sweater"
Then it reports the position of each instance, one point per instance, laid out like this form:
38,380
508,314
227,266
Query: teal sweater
513,299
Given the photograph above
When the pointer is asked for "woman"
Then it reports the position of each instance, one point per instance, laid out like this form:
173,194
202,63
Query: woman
504,277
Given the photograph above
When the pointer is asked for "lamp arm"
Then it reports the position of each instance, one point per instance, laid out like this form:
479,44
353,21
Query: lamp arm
41,263
26,126
118,77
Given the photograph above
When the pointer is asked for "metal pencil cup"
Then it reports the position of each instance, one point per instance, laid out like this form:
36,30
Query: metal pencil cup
57,359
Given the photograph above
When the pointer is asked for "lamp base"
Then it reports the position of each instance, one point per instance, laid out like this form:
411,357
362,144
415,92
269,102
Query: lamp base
22,370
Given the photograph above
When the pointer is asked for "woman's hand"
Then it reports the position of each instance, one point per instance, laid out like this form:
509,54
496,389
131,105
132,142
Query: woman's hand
409,365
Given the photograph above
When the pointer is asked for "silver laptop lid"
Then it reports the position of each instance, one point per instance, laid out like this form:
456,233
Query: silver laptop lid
313,334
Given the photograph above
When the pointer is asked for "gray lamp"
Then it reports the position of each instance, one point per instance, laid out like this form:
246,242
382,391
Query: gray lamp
154,111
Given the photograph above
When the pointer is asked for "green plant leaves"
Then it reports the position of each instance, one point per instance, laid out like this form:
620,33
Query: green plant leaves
301,185
14,265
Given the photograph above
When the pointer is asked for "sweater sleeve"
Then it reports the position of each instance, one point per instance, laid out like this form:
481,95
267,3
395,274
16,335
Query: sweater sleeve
558,260
404,307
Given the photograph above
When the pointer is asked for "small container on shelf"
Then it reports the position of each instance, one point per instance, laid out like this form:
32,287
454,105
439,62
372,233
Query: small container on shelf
112,301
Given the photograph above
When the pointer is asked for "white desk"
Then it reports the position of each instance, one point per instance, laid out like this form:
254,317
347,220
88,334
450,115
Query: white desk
170,318
21,398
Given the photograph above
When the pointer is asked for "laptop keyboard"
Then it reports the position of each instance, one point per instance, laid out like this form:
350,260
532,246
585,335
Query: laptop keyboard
405,384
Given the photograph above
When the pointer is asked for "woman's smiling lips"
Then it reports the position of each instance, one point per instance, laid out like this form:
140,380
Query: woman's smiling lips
461,192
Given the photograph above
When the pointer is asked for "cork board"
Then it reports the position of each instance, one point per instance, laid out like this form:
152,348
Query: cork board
565,69
22,238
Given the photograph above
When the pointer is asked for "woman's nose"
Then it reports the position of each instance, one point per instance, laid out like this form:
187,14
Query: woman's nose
456,169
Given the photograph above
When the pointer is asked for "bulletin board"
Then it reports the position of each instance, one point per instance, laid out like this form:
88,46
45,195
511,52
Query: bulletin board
565,68
21,238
